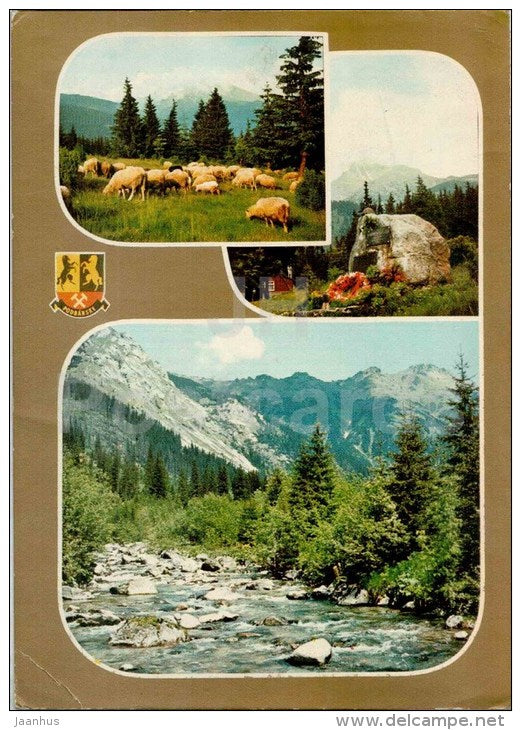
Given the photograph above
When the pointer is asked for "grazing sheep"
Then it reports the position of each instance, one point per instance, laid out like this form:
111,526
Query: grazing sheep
245,179
107,169
266,181
232,170
294,185
118,166
81,170
219,171
131,178
66,197
290,176
167,165
211,187
206,177
177,179
156,180
270,210
93,166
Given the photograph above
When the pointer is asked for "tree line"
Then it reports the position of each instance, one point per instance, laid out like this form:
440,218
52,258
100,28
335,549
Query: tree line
288,130
408,531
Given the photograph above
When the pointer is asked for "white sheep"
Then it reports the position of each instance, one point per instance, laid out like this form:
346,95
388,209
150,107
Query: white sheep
271,211
210,186
131,178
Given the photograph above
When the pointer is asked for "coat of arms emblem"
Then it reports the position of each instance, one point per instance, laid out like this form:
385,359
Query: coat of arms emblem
79,284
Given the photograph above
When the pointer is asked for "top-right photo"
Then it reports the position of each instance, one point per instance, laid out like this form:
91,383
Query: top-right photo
403,139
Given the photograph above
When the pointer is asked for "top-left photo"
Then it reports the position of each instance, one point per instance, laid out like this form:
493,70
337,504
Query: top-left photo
194,138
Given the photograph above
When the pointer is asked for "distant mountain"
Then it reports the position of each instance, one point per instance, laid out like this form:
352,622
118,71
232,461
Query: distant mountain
450,183
93,117
118,394
385,179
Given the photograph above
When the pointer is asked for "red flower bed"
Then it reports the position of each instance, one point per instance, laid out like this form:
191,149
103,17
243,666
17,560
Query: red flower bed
348,286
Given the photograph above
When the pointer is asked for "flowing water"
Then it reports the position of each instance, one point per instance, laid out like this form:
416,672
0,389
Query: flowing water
364,639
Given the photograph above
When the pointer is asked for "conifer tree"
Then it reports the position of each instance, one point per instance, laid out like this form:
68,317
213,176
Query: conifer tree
313,478
149,469
223,480
150,128
160,481
390,205
128,481
196,487
171,134
406,206
268,142
367,201
411,477
215,134
303,89
379,206
196,137
462,439
126,131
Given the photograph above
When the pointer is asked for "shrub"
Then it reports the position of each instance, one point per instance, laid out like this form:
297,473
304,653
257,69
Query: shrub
311,193
68,167
212,521
87,519
464,250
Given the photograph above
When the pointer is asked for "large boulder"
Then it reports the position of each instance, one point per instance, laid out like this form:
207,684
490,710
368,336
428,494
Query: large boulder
221,595
94,617
135,587
144,631
211,618
405,241
316,652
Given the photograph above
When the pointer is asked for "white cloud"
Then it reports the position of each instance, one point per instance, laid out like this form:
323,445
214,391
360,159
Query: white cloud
435,130
236,345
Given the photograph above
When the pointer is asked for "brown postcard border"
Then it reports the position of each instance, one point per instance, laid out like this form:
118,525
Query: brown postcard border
49,671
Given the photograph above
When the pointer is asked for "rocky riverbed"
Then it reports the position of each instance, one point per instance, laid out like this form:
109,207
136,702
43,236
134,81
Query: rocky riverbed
172,614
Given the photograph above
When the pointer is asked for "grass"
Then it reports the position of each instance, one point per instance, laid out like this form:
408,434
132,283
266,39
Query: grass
180,218
457,298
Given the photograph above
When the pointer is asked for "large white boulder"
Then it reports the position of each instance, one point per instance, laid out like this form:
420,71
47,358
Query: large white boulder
316,652
144,631
135,587
407,241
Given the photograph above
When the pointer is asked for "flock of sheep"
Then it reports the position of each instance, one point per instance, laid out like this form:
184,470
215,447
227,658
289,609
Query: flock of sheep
199,178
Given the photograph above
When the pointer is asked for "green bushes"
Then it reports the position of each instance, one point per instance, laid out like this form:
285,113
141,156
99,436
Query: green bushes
68,168
464,250
212,521
88,506
311,193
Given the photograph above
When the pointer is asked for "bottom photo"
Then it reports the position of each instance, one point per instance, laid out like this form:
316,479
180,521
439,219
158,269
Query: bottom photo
269,497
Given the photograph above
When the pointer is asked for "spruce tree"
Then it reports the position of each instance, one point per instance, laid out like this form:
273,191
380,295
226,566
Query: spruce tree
390,205
411,477
367,201
150,128
196,137
160,481
462,440
196,487
126,131
215,134
268,142
171,134
223,480
303,89
313,478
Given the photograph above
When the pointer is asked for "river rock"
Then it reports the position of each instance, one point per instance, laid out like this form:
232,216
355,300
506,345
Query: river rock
316,652
264,584
211,618
97,617
144,631
221,595
290,575
297,595
454,622
211,565
181,562
321,593
461,635
135,587
273,621
227,563
409,606
182,607
187,621
407,241
384,601
72,593
353,597
127,667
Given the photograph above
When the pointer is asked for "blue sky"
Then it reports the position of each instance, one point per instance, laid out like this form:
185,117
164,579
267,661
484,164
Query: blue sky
325,349
166,64
409,108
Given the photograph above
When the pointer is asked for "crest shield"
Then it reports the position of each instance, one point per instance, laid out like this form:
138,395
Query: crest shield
79,283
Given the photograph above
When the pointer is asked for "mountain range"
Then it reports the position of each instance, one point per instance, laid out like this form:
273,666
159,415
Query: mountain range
121,396
93,117
386,179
